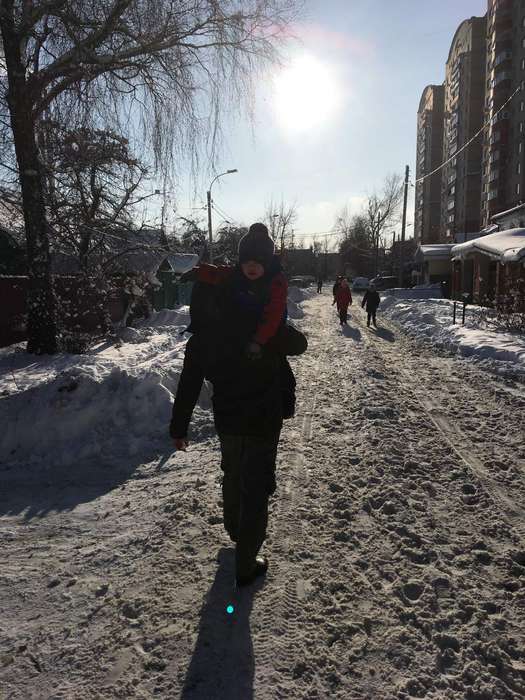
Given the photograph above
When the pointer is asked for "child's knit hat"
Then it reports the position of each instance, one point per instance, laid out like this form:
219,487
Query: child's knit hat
256,245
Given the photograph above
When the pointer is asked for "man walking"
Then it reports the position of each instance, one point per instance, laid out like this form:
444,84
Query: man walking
248,403
371,300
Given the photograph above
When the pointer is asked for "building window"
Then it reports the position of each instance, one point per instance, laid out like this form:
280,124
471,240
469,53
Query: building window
518,168
518,188
522,106
520,147
522,64
521,127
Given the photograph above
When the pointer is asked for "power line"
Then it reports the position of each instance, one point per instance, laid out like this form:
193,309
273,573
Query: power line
220,211
466,145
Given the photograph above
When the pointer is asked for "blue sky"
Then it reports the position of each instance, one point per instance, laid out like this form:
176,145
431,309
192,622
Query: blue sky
358,71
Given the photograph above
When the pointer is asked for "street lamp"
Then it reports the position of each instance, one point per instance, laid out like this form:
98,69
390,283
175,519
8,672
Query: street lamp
208,197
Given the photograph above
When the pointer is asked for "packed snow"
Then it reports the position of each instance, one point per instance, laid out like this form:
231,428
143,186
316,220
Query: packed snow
396,537
431,319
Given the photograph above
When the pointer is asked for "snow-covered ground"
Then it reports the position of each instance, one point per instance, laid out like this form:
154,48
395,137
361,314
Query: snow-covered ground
114,401
431,319
396,537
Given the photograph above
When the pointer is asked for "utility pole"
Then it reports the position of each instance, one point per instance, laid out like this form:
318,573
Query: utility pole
377,243
403,228
393,254
210,231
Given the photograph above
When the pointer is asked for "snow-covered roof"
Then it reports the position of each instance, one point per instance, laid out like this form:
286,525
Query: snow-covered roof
501,214
182,262
434,251
505,246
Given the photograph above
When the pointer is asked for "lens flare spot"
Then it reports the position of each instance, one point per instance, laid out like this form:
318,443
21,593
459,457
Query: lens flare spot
230,609
307,94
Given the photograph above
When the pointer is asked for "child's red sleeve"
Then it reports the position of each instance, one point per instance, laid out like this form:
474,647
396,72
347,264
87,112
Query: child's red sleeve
213,274
273,312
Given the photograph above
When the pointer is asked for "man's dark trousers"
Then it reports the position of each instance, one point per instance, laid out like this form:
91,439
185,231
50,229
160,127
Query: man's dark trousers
248,463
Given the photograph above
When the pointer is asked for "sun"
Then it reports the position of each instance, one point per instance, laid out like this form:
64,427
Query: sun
307,94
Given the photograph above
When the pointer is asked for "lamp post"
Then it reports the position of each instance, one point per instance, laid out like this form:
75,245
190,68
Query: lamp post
208,197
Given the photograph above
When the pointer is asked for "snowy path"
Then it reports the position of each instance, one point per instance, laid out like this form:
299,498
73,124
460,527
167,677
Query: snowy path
397,549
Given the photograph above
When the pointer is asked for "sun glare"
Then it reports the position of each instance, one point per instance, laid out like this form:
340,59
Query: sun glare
307,94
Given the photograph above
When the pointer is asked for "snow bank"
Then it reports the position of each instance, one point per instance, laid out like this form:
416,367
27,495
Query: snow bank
296,296
503,353
432,291
179,316
113,402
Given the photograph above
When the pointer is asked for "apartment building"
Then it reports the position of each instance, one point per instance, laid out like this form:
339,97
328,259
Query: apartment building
427,217
503,146
464,88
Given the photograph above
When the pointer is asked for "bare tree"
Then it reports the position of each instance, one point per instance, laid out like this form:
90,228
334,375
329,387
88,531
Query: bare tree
92,185
316,245
140,67
280,219
360,234
355,243
382,210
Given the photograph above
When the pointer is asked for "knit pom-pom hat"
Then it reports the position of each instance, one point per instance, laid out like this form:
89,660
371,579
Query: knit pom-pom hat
256,245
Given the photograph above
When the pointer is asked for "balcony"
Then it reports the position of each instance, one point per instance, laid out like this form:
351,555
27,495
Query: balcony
502,57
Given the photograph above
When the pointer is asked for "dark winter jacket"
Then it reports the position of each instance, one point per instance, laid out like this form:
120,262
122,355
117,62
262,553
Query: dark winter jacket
343,297
371,299
247,397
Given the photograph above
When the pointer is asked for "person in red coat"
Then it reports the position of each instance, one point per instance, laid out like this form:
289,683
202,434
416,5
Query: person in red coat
343,299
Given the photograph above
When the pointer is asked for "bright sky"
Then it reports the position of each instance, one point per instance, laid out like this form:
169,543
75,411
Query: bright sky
341,115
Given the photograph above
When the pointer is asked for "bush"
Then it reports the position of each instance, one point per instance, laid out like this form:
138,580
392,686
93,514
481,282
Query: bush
507,311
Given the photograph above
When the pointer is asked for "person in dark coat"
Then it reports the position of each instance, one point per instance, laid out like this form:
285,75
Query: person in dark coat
371,300
319,284
343,298
248,407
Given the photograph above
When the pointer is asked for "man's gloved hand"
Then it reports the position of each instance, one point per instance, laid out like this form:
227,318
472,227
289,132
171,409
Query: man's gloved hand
254,351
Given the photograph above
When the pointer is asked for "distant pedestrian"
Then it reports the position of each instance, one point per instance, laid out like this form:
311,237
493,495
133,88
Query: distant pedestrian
336,285
371,300
343,299
319,285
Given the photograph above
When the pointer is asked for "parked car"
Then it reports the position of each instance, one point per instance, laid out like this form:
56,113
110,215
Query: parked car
304,281
360,283
384,282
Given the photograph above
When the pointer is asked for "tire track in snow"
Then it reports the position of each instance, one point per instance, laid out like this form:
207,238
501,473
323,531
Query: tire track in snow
458,443
509,510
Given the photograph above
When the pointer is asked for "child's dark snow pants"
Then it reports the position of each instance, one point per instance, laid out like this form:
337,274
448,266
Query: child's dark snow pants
248,463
